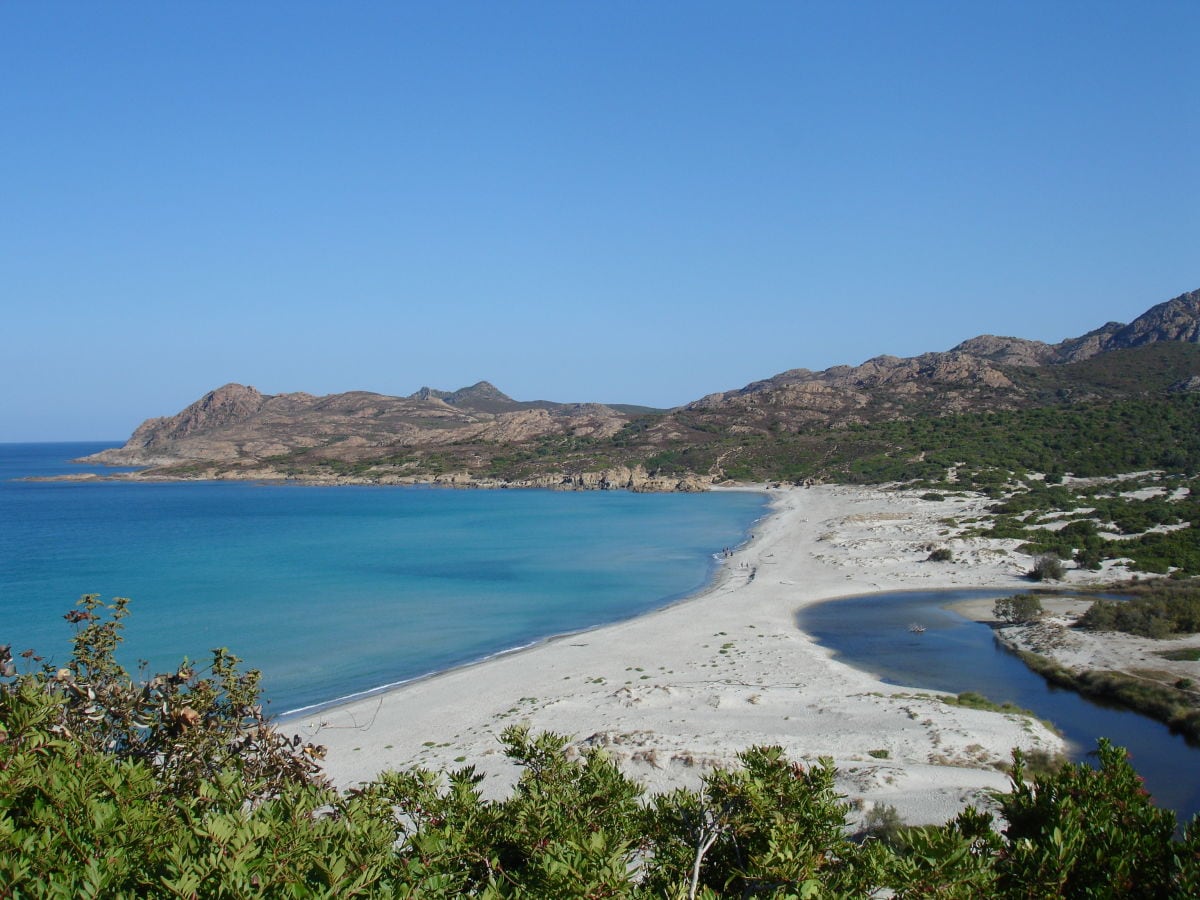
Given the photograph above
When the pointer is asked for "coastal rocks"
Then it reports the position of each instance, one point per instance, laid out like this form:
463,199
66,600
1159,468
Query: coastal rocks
454,479
636,480
622,478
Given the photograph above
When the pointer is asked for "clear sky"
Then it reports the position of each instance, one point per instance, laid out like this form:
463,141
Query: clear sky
611,201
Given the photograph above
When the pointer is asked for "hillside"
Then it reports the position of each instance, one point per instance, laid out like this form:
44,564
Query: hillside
237,426
797,424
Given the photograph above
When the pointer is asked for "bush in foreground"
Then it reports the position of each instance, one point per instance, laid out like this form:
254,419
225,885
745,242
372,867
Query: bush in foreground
87,811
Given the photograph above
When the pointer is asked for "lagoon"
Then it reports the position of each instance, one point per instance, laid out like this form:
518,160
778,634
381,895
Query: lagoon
955,654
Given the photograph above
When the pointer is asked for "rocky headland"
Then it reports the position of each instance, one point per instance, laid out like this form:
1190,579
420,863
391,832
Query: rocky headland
478,436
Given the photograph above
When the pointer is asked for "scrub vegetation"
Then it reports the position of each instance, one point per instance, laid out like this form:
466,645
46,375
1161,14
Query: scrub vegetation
175,786
1158,609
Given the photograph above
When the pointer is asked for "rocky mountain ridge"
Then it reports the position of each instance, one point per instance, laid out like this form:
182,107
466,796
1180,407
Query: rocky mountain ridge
479,435
978,371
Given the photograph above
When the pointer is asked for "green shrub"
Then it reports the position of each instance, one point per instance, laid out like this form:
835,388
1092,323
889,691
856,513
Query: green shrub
770,828
87,811
1091,832
1159,609
1018,609
186,725
1047,567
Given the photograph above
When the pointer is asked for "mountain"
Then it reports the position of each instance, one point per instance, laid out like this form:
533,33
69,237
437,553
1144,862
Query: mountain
986,371
236,425
480,433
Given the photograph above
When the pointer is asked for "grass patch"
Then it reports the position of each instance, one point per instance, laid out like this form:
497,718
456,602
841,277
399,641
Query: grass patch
973,700
1184,654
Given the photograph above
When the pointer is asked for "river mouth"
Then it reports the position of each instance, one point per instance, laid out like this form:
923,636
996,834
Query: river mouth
954,654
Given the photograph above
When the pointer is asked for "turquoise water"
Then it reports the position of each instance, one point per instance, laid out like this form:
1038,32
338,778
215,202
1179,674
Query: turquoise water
335,591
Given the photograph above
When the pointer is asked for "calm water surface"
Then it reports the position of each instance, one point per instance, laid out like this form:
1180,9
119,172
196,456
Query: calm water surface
336,591
956,654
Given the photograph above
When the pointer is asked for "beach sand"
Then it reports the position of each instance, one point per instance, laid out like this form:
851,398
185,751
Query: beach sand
673,693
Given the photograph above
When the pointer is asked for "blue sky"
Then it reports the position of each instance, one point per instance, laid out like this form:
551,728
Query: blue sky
610,201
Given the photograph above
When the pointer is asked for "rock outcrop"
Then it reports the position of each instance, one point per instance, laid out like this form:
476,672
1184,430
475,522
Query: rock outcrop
978,372
238,424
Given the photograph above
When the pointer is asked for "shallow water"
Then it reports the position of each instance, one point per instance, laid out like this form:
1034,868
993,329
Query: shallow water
336,591
956,654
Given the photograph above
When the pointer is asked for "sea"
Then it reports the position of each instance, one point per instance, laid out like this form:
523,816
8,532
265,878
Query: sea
333,592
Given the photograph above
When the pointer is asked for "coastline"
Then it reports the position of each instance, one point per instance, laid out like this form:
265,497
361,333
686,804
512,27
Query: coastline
679,690
617,478
719,571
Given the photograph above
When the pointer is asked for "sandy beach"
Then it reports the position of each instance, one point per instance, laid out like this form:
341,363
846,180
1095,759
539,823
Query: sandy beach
678,691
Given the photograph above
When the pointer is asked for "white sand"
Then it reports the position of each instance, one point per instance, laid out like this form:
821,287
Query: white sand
675,692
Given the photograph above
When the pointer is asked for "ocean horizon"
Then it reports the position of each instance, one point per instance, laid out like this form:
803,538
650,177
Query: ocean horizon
336,591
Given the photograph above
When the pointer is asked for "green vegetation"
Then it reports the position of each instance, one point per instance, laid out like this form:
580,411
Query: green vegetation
1186,654
176,787
883,823
1019,609
987,449
1047,567
1157,534
1173,704
973,700
1158,610
1086,832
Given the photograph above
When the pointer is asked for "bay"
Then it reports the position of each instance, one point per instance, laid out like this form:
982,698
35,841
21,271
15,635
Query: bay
336,591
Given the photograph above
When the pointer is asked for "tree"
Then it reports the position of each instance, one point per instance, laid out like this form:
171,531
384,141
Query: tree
1018,609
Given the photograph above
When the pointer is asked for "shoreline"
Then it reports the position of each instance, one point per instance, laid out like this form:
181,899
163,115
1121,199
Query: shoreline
312,709
719,570
635,479
679,690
